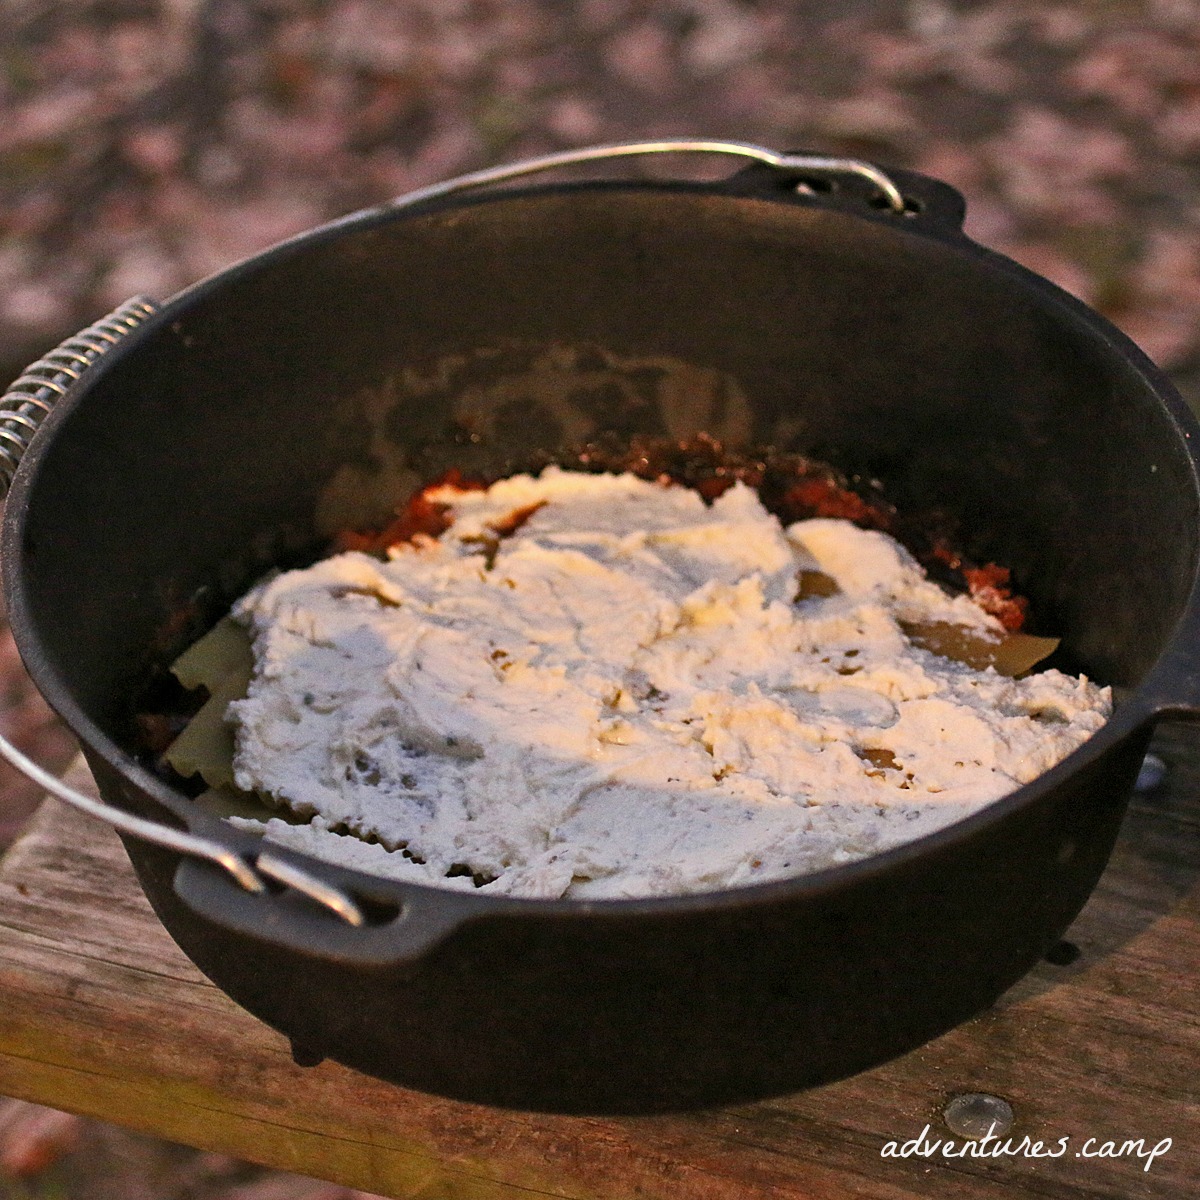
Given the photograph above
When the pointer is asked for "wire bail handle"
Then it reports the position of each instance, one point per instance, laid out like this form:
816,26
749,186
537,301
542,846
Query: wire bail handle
32,397
806,163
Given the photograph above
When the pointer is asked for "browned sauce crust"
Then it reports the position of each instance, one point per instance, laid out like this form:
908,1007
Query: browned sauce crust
791,486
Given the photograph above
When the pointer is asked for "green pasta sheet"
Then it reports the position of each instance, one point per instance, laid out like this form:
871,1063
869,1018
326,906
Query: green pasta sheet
205,746
232,802
224,649
223,662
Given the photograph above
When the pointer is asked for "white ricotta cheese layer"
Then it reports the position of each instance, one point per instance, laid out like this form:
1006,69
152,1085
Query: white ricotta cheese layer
626,698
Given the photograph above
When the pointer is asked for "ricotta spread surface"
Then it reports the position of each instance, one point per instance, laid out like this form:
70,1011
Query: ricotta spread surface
599,686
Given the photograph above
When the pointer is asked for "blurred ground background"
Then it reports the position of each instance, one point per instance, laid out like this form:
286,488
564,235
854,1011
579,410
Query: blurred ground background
147,143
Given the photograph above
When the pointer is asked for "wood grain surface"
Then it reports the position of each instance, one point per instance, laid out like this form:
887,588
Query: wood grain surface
101,1014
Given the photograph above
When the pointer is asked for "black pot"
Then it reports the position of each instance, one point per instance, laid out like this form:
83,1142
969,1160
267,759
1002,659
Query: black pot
313,384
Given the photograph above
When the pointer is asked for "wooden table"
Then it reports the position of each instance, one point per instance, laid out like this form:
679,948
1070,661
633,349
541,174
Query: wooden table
101,1014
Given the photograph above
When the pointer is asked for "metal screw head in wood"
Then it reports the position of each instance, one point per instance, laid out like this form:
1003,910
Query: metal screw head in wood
978,1115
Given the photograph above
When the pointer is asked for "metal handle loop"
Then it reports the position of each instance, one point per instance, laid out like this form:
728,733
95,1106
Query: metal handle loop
183,842
566,158
23,408
148,831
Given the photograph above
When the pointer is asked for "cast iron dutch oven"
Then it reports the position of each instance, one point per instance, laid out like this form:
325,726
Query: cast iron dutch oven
806,303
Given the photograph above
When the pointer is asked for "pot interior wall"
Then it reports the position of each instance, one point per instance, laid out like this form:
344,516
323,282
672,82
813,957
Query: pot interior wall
314,385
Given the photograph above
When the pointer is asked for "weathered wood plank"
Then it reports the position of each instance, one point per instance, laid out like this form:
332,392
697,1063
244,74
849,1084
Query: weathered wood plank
101,1014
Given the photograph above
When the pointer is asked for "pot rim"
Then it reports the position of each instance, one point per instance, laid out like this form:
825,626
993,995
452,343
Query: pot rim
1158,694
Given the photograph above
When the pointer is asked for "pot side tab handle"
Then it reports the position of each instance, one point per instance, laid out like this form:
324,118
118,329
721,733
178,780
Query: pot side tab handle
381,923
